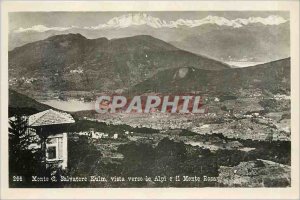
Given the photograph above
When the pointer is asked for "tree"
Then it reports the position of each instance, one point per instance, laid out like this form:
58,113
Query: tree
23,161
171,150
18,135
83,155
138,158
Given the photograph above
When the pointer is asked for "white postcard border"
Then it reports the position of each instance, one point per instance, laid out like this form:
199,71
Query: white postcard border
152,193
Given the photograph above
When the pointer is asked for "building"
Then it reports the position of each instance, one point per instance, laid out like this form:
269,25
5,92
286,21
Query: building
52,126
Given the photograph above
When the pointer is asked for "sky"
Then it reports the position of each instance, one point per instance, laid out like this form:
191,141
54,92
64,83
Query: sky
82,19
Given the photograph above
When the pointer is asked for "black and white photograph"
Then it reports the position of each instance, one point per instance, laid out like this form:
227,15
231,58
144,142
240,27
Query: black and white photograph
149,99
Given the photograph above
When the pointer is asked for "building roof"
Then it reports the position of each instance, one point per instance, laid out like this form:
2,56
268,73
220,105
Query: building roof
50,117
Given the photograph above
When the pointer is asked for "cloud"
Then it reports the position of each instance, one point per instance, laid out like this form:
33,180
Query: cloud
42,28
138,19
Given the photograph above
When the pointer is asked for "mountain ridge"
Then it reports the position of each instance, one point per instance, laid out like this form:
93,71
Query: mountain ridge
273,77
20,104
73,62
137,19
261,37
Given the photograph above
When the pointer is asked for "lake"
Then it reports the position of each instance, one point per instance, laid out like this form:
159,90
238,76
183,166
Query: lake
243,64
70,105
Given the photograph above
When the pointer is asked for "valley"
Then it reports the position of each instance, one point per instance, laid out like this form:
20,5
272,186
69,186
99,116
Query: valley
244,136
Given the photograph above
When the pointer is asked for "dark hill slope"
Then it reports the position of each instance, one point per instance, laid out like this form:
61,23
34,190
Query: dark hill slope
73,62
273,77
21,104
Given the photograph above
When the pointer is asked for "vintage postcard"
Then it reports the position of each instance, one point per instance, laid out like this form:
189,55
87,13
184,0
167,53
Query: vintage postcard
150,100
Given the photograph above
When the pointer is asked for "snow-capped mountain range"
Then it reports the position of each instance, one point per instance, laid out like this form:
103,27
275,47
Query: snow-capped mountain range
138,19
262,38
